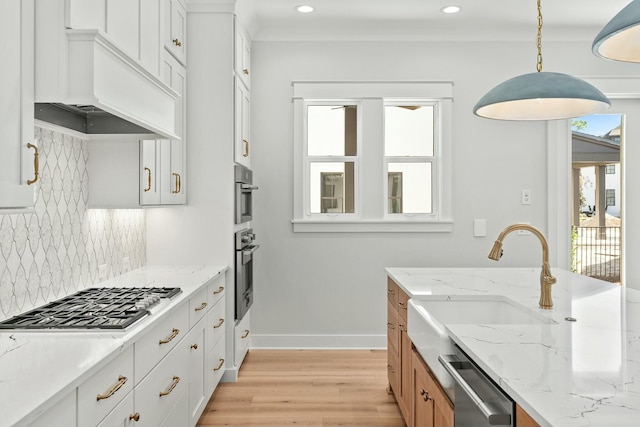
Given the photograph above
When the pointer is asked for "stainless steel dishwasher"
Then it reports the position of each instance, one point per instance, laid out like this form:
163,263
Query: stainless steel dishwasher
479,402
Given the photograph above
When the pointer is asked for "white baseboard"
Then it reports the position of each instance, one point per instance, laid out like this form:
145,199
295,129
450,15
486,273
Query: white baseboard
317,342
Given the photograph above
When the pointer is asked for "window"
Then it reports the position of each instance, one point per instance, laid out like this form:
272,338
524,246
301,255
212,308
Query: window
372,156
610,197
611,169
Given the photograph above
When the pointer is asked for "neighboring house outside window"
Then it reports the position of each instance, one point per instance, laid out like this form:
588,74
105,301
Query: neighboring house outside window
355,172
609,197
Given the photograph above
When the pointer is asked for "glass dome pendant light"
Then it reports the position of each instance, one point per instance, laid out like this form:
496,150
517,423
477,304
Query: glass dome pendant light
619,40
541,95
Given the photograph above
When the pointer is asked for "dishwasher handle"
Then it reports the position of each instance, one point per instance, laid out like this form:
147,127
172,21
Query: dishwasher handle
495,416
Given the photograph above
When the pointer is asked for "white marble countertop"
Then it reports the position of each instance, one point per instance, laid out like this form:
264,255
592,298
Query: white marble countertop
37,369
583,373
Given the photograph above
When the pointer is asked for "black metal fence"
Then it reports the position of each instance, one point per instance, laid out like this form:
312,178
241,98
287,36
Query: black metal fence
595,252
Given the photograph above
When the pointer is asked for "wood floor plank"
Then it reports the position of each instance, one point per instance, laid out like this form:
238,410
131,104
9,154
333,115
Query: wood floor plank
306,387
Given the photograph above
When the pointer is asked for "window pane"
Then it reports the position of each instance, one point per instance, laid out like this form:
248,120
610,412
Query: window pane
409,188
332,130
332,187
408,130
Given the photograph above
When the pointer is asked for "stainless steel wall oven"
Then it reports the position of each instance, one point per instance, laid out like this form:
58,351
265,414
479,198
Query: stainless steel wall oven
245,250
244,194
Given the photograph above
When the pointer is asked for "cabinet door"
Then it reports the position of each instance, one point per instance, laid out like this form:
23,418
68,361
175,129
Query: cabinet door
406,389
173,154
197,399
242,338
178,414
243,55
422,402
242,119
149,172
175,28
122,415
63,414
123,25
18,152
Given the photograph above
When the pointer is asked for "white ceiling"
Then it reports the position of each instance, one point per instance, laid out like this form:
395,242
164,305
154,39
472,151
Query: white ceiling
422,20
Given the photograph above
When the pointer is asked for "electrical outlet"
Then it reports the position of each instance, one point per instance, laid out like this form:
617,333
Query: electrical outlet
102,272
526,197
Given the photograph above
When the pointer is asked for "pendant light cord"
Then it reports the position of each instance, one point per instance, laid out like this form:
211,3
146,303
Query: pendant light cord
539,60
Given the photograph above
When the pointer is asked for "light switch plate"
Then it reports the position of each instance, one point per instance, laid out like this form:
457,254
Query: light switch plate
526,197
479,227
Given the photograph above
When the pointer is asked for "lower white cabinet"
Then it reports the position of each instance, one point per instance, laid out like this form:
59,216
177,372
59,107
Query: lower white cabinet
242,338
197,396
122,415
214,366
63,414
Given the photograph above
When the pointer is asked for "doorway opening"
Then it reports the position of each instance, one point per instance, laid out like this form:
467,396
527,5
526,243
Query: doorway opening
596,229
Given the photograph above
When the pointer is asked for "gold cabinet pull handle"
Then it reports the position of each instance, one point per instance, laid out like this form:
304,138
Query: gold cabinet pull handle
391,292
246,334
220,289
174,333
402,305
425,395
202,306
245,71
194,346
217,368
245,152
135,417
219,324
177,182
113,389
390,326
177,42
148,179
36,165
173,385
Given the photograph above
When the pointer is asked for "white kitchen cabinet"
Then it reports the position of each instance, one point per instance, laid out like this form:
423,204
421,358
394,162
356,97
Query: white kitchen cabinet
176,416
215,366
18,151
197,397
101,393
62,414
133,25
173,151
242,125
123,415
242,55
242,338
175,28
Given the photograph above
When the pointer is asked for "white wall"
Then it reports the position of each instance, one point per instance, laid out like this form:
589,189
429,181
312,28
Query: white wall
333,284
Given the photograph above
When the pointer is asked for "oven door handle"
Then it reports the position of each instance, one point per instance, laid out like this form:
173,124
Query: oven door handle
248,188
493,414
248,254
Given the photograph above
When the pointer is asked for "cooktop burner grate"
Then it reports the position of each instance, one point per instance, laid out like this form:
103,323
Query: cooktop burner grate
92,308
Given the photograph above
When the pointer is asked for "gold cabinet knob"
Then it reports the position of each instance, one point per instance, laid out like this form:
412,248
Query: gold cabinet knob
194,346
135,417
177,42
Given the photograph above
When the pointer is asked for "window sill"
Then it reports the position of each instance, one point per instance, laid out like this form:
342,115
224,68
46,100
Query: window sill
371,226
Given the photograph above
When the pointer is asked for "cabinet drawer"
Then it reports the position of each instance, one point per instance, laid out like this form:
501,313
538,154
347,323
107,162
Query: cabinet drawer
122,415
392,292
393,333
216,290
198,306
403,300
242,338
159,392
214,366
215,325
101,393
156,343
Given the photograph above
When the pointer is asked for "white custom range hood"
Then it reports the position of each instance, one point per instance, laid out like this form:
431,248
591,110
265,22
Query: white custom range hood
86,83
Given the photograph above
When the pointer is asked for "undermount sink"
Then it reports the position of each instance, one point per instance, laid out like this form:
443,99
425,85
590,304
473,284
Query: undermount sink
427,319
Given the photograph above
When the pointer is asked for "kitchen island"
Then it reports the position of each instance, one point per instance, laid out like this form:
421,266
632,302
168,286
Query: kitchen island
565,373
38,368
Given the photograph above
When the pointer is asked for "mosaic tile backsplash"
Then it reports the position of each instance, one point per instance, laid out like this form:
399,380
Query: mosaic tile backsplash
58,249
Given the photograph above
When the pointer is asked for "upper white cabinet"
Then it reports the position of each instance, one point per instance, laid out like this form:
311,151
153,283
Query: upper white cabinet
174,30
18,151
242,55
133,25
242,123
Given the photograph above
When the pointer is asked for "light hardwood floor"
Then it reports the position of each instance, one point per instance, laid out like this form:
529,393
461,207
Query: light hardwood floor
308,388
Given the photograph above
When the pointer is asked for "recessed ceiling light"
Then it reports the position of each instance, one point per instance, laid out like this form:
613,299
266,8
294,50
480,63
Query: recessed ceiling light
451,9
304,9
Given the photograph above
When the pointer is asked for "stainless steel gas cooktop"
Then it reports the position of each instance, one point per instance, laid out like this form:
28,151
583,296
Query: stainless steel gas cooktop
92,308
